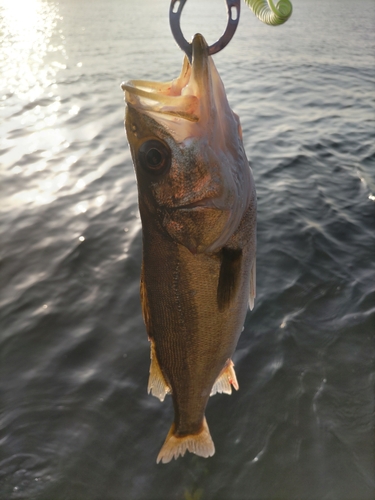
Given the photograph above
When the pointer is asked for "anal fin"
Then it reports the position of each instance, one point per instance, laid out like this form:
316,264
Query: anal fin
225,380
174,446
157,384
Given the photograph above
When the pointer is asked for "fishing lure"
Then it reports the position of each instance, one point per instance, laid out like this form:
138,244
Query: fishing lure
269,13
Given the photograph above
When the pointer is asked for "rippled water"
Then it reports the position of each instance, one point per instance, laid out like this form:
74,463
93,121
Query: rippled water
76,422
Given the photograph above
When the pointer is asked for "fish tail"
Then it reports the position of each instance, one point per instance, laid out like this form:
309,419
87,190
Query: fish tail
201,444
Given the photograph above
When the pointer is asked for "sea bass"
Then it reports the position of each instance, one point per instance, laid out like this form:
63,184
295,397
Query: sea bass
197,203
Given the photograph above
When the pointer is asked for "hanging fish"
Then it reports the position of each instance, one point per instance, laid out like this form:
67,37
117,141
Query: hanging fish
197,203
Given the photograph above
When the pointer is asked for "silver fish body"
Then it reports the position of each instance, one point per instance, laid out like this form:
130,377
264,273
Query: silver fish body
197,202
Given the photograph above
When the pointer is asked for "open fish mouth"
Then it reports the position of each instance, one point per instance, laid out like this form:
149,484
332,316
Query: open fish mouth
179,97
150,96
171,99
186,105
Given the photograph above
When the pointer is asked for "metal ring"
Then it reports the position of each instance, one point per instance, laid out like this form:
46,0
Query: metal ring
233,8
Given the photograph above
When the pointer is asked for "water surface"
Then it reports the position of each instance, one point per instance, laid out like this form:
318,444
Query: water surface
76,422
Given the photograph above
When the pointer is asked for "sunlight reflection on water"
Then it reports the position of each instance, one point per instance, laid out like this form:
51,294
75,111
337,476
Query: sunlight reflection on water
33,52
27,28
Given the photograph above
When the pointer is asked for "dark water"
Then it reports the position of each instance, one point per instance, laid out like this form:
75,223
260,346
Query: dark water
76,422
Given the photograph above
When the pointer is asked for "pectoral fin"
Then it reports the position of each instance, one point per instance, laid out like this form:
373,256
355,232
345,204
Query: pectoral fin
229,276
252,285
225,380
157,384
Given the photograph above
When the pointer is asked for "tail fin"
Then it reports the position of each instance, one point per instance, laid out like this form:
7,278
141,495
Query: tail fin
201,444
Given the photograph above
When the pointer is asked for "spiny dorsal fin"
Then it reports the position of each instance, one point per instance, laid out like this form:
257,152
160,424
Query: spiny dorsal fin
229,276
252,285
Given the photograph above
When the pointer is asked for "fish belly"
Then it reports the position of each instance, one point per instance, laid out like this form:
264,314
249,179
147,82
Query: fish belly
193,335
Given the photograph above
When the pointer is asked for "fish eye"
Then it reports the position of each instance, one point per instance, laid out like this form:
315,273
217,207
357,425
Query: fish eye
154,157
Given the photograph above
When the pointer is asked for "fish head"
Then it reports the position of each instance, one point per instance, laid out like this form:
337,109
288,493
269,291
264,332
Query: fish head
186,143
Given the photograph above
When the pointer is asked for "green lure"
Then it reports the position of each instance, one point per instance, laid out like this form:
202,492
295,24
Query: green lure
269,13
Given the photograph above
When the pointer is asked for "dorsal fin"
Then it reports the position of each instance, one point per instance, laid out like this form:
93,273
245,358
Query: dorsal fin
229,276
252,285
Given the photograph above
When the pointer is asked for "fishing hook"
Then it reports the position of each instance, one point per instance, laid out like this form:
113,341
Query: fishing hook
233,9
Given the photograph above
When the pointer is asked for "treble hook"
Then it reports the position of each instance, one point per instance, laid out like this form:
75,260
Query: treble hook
233,9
